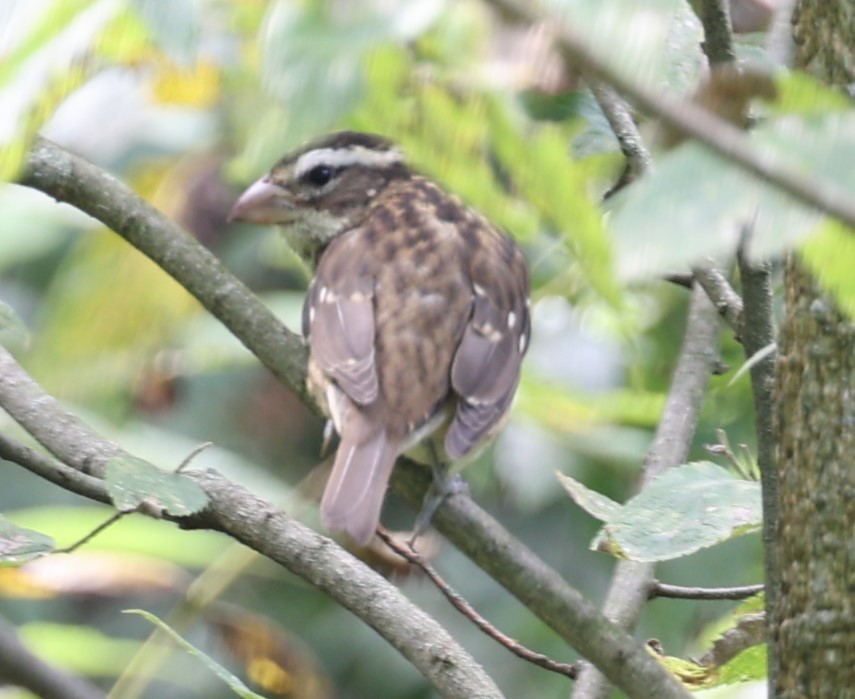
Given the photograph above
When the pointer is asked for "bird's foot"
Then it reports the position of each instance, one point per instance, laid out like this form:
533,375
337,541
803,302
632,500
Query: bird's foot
441,488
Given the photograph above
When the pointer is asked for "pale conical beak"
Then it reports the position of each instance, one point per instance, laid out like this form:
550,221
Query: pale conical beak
264,203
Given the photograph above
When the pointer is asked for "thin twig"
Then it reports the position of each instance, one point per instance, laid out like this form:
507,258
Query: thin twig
619,115
53,470
722,294
109,522
408,553
192,455
750,630
660,589
759,332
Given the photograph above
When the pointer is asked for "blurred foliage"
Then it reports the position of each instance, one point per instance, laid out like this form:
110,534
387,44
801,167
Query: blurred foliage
188,101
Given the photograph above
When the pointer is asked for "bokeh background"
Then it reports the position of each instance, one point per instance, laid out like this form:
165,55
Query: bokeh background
189,101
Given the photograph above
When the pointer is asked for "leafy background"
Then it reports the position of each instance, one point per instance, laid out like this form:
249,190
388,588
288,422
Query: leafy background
189,101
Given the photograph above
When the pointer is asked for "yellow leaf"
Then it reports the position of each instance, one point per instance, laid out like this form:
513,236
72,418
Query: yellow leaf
195,86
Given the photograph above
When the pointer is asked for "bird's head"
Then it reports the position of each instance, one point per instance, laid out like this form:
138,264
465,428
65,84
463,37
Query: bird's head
322,189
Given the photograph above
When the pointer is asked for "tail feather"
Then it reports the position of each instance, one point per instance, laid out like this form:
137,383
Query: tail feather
354,493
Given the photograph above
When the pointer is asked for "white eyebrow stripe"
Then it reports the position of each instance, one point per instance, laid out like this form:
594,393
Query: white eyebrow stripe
341,157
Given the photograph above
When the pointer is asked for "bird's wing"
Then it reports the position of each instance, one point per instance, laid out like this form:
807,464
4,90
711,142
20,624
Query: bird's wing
486,366
338,321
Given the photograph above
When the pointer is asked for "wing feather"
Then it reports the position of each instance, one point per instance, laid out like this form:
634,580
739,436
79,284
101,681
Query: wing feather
339,317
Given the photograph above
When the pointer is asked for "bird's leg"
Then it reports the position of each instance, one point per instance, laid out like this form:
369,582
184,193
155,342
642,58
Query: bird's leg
441,487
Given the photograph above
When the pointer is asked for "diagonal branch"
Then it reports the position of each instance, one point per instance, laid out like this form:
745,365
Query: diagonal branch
70,179
718,36
256,523
632,581
18,666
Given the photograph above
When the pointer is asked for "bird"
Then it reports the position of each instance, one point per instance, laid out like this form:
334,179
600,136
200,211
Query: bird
417,315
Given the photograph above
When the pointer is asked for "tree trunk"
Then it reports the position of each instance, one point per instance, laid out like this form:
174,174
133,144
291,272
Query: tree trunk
813,620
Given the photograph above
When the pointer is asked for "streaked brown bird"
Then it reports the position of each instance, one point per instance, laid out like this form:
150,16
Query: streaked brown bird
417,316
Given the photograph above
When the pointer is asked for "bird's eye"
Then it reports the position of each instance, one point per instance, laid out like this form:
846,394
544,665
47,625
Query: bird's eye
319,175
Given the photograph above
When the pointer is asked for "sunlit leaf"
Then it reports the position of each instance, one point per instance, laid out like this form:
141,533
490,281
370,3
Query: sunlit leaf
830,255
18,544
196,85
135,483
750,664
80,649
540,167
799,93
143,536
231,680
43,68
561,408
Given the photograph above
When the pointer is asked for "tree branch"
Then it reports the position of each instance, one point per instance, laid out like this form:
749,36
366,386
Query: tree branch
718,35
760,332
259,525
52,470
727,302
20,667
72,180
632,581
660,589
236,512
618,114
691,120
540,588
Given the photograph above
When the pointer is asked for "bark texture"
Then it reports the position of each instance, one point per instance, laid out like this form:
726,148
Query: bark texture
813,624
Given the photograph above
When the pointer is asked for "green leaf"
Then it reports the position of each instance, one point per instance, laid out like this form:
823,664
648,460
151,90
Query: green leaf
594,503
133,535
830,255
687,508
18,544
799,93
80,649
749,665
558,190
696,204
133,482
43,68
231,680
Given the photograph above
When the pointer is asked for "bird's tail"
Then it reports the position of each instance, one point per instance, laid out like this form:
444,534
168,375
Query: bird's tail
354,493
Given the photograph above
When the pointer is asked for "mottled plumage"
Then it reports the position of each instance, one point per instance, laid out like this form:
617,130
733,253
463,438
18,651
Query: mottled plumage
416,316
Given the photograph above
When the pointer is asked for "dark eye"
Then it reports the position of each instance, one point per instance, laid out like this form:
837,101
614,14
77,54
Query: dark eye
319,175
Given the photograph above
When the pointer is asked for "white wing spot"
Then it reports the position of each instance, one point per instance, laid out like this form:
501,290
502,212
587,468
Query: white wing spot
512,320
479,290
311,314
523,341
322,294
